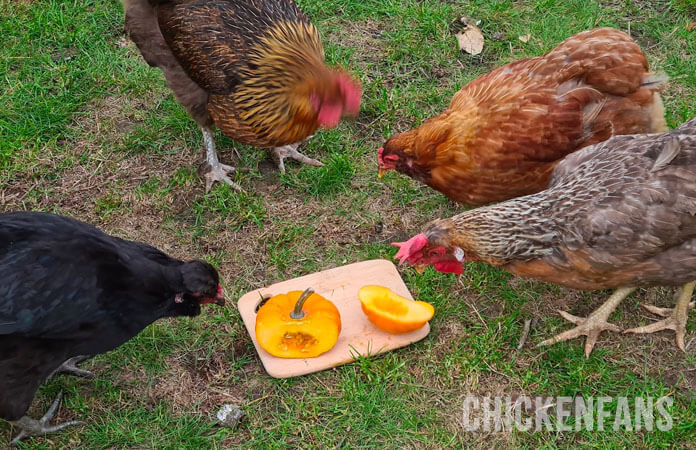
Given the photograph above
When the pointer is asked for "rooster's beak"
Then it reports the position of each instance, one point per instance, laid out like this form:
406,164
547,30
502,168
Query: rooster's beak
380,172
420,268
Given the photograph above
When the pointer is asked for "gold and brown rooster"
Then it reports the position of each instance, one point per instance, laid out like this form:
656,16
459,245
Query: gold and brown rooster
620,214
504,132
253,68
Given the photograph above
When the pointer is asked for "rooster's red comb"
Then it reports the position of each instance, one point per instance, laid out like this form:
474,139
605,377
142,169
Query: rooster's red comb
410,248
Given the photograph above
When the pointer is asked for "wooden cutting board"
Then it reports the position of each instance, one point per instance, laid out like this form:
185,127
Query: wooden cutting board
358,335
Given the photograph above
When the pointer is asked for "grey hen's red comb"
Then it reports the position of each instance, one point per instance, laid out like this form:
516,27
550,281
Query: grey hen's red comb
411,249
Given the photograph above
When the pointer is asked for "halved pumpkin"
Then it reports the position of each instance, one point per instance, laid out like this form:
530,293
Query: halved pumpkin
298,325
391,312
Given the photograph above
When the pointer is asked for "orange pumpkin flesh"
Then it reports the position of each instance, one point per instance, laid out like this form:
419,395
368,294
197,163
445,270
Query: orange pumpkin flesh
308,336
391,312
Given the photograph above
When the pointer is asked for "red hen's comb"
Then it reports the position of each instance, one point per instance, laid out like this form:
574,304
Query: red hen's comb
380,161
410,247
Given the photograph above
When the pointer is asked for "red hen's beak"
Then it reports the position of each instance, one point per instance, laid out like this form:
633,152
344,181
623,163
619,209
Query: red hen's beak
380,163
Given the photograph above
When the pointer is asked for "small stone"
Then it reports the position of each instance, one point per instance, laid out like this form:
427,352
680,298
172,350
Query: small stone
230,415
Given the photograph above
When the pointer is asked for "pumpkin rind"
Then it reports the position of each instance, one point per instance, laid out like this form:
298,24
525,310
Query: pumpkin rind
391,312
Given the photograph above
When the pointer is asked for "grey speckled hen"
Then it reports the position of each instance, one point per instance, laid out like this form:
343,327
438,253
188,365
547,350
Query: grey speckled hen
619,214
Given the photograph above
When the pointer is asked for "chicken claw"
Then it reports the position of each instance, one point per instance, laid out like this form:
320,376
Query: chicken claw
219,173
69,367
32,427
290,151
214,169
593,325
675,317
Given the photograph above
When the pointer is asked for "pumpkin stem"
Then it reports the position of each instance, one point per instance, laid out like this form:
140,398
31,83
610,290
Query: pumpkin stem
297,313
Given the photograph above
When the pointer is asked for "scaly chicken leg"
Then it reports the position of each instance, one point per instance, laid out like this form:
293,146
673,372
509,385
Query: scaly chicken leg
290,151
593,325
675,317
216,171
32,427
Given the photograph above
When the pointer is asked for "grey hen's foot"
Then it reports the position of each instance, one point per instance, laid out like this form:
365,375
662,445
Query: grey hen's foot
675,317
594,324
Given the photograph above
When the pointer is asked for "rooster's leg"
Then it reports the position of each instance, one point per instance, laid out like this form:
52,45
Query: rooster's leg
32,427
675,318
215,170
290,151
69,367
593,325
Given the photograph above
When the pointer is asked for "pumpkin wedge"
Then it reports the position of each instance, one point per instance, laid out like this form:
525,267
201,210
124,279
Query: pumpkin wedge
297,325
391,312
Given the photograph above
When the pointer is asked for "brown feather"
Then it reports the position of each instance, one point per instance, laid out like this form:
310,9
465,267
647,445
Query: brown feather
248,66
507,129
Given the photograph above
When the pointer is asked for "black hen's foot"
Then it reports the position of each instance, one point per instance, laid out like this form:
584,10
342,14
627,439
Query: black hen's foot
32,427
69,367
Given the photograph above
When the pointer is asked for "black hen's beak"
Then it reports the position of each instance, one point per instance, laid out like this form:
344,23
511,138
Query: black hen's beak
220,297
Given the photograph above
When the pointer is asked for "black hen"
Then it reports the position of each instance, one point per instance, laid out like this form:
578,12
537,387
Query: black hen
67,289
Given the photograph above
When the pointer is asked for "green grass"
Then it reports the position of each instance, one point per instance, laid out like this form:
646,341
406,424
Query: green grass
89,130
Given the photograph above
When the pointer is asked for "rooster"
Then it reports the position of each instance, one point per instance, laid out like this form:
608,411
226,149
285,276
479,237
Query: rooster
504,132
253,68
70,291
620,214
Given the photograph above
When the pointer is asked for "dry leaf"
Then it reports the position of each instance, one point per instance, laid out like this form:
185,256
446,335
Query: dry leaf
525,38
470,39
690,26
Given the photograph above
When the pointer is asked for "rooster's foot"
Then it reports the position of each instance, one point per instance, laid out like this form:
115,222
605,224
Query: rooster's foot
69,367
593,325
213,170
218,172
290,151
32,427
675,317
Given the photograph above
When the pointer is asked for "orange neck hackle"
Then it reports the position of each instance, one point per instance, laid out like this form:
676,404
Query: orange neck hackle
288,89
